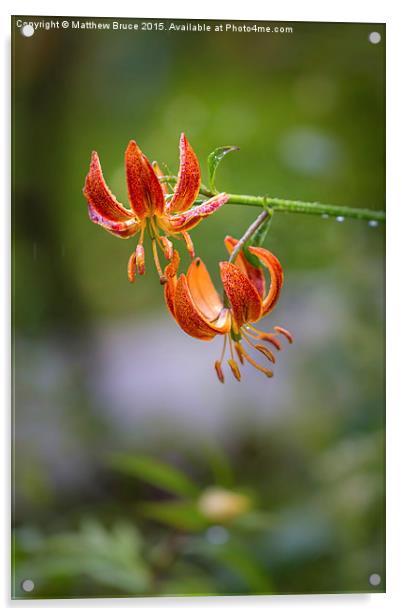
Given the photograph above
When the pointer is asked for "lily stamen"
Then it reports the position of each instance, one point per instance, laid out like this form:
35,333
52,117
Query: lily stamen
218,363
257,334
162,277
131,267
189,244
256,365
200,311
285,333
261,348
166,246
150,205
232,362
140,259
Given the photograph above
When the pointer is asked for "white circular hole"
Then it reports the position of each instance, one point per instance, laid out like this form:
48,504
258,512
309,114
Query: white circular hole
27,30
374,37
375,579
28,585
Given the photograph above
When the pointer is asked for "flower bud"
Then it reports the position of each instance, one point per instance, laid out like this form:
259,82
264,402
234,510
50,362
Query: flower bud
221,505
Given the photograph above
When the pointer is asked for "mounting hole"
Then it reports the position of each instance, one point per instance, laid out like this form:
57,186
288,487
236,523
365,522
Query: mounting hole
27,585
27,30
375,579
374,38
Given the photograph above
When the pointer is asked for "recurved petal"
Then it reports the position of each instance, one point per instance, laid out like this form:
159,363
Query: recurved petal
144,189
169,288
243,296
123,229
159,174
254,274
276,273
189,179
191,218
103,207
202,290
190,318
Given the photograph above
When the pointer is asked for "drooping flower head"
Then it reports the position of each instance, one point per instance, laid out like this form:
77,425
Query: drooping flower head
199,310
151,208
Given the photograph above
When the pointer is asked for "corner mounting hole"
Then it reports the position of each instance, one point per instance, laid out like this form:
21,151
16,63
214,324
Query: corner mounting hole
27,585
374,38
375,579
27,30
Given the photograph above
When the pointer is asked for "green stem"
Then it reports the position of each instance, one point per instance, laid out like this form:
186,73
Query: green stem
295,207
250,231
308,207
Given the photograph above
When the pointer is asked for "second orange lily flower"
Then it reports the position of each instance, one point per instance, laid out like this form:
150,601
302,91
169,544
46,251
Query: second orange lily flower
199,310
151,208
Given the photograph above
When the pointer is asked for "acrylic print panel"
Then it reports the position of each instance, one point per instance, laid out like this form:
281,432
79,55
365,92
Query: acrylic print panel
194,415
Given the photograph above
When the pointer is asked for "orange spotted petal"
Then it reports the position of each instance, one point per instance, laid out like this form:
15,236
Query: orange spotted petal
202,290
159,174
275,270
254,274
192,320
103,207
191,218
171,282
144,189
243,296
189,179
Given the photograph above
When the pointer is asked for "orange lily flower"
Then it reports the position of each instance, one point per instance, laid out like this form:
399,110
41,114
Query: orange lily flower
150,206
199,310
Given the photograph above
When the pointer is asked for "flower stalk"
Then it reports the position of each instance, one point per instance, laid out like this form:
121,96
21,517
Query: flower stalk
295,206
249,233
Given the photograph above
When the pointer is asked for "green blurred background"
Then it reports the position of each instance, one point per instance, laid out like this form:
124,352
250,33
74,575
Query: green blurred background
135,471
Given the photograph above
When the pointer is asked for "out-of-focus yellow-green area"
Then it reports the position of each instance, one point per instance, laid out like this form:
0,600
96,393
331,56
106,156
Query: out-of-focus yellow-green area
136,472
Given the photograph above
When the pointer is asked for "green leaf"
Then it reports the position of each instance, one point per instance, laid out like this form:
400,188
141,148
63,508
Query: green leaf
244,563
219,465
213,162
183,515
156,473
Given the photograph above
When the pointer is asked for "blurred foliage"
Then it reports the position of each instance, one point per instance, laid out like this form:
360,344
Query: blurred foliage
120,488
93,558
218,541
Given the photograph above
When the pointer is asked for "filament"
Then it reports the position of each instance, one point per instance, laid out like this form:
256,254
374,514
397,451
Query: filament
224,348
267,337
162,277
261,348
267,372
232,362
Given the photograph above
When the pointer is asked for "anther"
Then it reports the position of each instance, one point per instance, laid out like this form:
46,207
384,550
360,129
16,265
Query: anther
238,349
267,338
131,267
267,372
189,244
167,247
235,369
285,333
268,354
140,259
219,371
